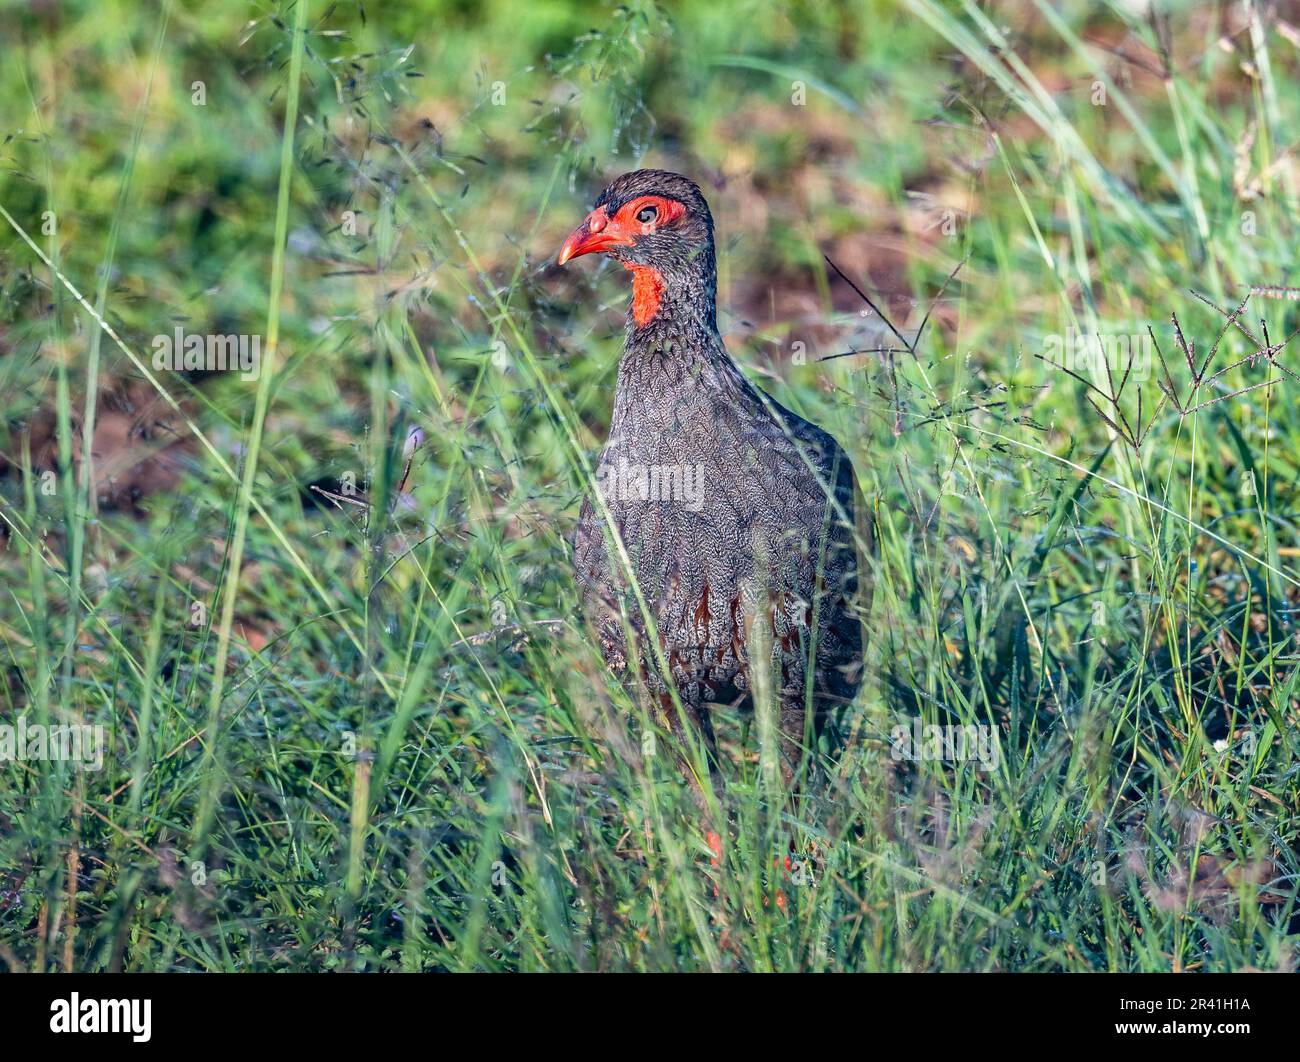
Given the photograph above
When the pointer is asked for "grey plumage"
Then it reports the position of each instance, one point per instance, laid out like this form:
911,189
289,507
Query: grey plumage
733,510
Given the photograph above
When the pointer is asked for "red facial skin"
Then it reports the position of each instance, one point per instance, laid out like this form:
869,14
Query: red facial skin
599,232
647,290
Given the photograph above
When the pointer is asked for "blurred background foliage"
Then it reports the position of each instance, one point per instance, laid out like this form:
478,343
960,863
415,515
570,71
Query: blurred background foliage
418,763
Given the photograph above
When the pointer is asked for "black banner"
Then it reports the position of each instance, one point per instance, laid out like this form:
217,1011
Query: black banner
339,1011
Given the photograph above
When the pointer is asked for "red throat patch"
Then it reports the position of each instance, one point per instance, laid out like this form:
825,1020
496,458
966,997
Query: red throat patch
647,291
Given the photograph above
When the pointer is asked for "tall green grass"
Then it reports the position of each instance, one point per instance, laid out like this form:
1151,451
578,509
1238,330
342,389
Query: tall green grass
367,729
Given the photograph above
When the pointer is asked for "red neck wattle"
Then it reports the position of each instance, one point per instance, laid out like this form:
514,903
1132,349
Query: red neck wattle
647,292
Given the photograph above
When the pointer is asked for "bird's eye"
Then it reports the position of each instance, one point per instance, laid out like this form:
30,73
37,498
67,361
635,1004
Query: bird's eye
646,215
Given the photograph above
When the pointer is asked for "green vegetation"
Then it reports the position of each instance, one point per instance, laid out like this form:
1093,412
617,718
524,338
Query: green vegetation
351,718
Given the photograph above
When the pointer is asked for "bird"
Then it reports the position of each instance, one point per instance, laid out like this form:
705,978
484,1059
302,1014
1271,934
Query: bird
738,519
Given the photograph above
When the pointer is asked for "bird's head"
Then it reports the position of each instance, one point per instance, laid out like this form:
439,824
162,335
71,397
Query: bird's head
656,224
